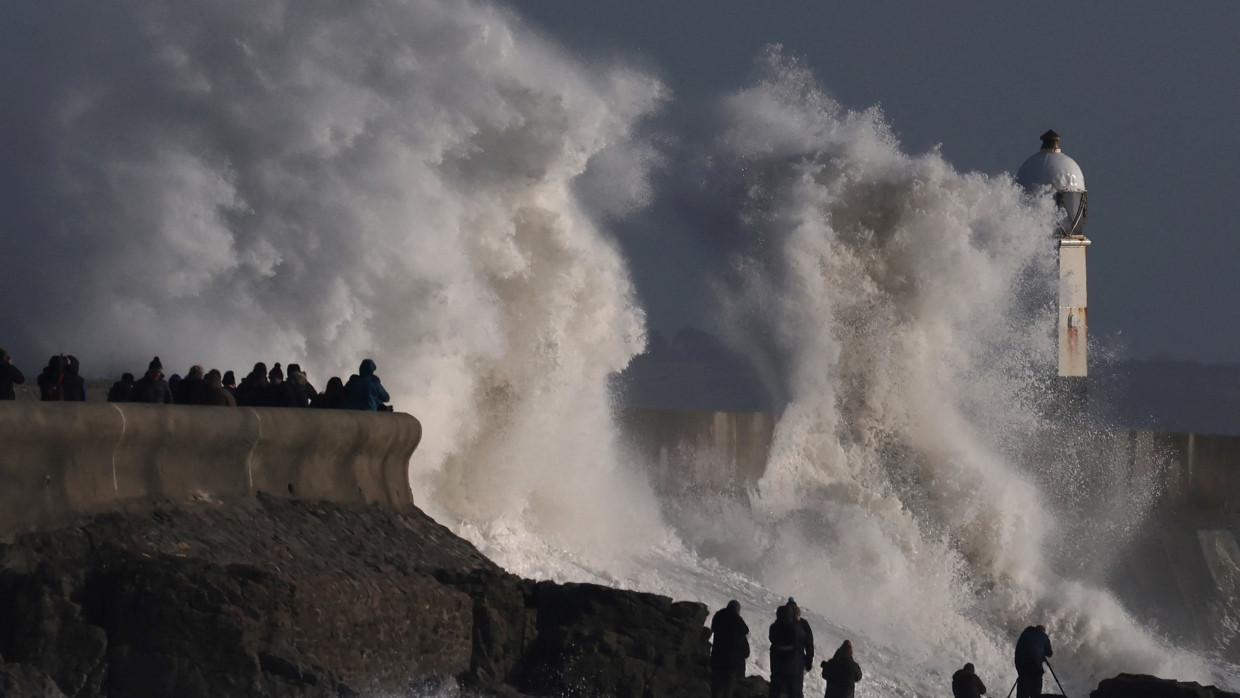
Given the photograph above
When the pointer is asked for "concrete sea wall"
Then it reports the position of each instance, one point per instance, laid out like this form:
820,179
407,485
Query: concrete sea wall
724,450
63,460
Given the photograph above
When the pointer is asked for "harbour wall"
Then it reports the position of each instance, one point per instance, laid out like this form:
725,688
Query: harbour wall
729,450
59,461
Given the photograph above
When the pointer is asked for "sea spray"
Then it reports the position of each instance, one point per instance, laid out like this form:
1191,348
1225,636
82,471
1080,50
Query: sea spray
420,181
891,295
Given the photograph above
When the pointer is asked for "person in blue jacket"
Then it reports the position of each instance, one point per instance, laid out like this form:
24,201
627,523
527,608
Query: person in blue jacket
364,391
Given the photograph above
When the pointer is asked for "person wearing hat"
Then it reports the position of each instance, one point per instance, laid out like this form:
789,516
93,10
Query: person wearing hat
967,684
152,387
278,393
792,651
728,650
9,376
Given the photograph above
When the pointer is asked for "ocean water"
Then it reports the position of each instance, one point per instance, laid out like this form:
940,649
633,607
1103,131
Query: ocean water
432,184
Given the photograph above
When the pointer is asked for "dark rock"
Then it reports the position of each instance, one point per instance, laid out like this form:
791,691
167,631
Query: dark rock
22,681
1142,686
597,641
305,599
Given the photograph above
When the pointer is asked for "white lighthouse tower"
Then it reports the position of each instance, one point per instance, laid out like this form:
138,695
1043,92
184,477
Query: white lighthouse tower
1049,167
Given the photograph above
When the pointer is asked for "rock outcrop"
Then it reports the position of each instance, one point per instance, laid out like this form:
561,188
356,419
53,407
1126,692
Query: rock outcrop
1142,686
290,598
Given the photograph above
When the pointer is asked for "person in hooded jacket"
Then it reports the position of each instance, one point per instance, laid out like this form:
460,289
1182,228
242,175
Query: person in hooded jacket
792,651
9,376
50,379
122,390
364,391
152,387
1032,649
841,672
72,385
967,684
729,649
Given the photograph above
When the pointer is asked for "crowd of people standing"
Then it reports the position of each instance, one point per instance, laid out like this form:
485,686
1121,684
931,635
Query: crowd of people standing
61,381
792,656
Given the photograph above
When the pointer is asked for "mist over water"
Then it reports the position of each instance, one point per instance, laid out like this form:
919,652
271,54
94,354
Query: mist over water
430,184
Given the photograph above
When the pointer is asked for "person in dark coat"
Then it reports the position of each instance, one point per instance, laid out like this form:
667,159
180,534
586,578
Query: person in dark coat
792,651
332,397
191,388
279,392
9,377
49,380
230,383
841,672
729,649
72,385
967,684
250,390
122,390
364,391
152,387
214,392
303,392
1032,649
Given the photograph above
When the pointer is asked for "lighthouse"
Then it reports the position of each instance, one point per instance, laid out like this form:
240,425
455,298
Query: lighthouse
1049,169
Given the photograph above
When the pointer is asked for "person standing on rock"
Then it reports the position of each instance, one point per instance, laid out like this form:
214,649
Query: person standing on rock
967,684
792,651
1032,649
842,672
728,651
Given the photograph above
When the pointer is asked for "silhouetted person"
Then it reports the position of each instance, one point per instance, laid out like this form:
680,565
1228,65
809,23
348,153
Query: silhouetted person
189,390
72,385
122,390
1032,649
214,392
728,651
303,392
152,387
279,393
9,377
332,397
250,389
51,378
792,651
967,684
364,391
841,672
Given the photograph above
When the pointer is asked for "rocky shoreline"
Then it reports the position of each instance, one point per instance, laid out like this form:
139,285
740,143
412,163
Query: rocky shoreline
275,597
291,598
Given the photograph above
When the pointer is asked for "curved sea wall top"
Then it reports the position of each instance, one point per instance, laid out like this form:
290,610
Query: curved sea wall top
59,461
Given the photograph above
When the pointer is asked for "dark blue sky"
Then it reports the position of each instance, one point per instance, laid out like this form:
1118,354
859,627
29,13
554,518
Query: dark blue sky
1145,96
